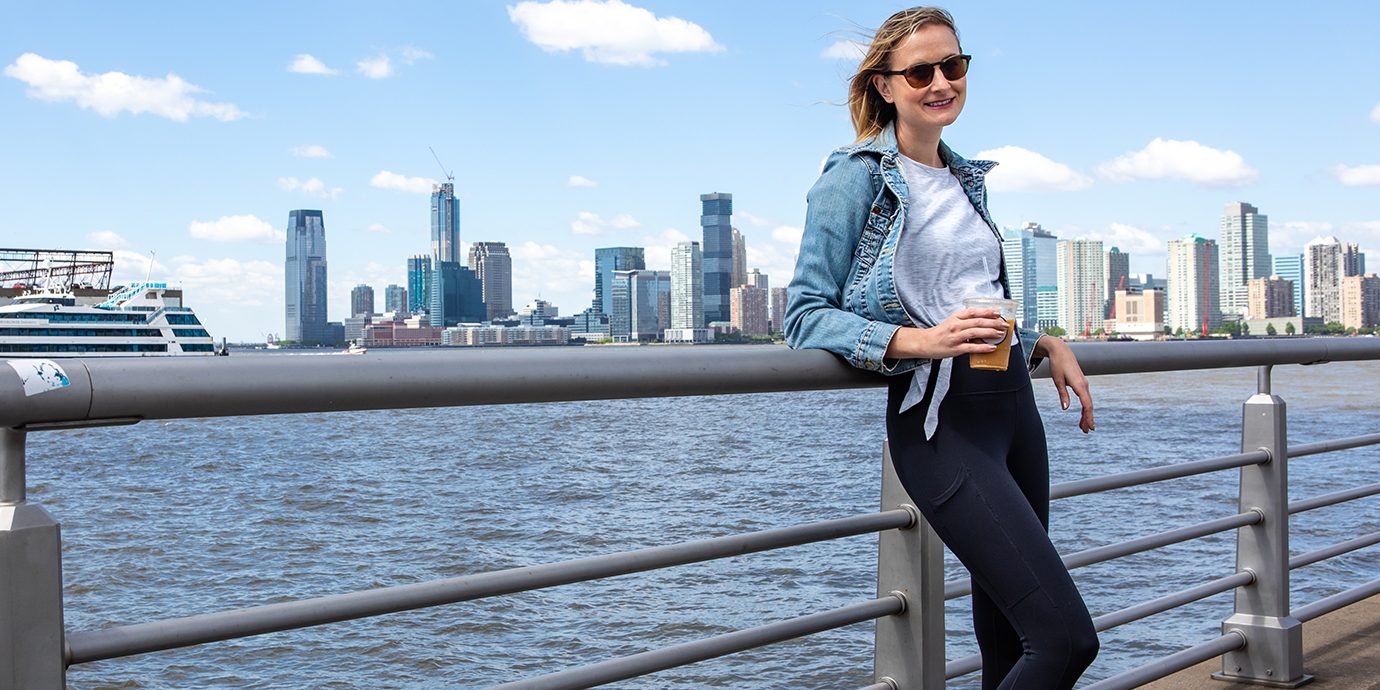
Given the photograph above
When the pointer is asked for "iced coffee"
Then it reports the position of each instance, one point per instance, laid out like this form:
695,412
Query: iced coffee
995,360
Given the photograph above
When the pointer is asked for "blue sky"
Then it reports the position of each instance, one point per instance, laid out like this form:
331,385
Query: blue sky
191,129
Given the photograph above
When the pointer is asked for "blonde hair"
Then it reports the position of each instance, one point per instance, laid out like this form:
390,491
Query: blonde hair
869,110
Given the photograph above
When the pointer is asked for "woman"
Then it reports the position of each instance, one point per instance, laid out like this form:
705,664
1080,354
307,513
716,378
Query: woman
897,234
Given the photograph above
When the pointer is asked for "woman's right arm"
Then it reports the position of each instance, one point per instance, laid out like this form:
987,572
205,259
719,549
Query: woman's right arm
837,210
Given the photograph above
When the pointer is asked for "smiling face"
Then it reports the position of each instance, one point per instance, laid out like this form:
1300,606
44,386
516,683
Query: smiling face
923,113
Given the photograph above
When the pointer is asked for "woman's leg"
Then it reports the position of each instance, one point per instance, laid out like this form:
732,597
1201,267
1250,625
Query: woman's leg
961,482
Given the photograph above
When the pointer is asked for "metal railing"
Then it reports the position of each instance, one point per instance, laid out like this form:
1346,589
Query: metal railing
1261,641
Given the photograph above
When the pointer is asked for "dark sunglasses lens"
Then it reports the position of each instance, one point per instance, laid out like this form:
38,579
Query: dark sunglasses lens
919,76
954,68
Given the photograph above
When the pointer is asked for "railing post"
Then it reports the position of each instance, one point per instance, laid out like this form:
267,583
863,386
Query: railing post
31,637
910,645
1273,654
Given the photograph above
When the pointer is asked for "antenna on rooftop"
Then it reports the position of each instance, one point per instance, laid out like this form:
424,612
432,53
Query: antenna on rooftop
450,177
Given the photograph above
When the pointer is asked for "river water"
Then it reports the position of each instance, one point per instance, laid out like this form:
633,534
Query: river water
167,519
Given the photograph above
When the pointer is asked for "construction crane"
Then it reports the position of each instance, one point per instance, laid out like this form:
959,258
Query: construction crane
450,176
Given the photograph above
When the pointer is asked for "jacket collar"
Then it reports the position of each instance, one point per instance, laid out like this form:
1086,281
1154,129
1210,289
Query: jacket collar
884,144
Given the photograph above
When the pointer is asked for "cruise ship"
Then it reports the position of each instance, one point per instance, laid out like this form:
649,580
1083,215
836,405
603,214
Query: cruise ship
134,321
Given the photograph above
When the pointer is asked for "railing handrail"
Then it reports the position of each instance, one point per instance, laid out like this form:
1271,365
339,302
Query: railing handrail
129,389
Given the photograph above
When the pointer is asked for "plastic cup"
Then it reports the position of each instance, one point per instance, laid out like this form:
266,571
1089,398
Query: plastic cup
995,360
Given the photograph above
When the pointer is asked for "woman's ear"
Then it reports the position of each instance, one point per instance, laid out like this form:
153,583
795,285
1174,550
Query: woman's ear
883,87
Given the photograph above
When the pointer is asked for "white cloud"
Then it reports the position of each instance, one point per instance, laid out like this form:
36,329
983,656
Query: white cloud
219,282
235,229
380,67
752,218
391,180
1023,170
845,50
1375,114
1188,160
559,275
106,239
111,93
608,32
788,235
310,151
411,54
379,228
1358,175
1290,236
1129,239
658,248
578,181
590,223
312,187
308,64
131,267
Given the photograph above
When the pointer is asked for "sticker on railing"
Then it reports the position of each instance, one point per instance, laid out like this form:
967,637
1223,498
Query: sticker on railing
39,375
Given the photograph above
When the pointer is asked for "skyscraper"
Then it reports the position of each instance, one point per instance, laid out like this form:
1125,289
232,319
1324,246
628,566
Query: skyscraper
716,220
1117,269
748,309
457,296
304,277
418,283
606,261
1029,255
778,309
445,223
639,300
739,260
687,286
1325,262
1291,268
494,267
1192,299
1082,287
756,278
361,300
395,299
1245,254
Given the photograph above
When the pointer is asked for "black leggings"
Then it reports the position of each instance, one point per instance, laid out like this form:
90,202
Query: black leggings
982,482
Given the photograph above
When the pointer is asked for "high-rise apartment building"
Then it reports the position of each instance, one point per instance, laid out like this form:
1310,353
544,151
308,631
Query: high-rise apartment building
418,283
1244,254
493,265
606,261
747,306
1139,315
1268,298
457,296
778,310
304,277
1116,268
1361,302
1082,285
1290,268
641,305
756,278
1193,298
445,223
716,220
687,286
1029,255
739,260
395,299
361,301
1326,262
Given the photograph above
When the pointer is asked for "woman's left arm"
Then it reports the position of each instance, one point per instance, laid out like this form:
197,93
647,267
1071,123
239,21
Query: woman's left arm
1064,369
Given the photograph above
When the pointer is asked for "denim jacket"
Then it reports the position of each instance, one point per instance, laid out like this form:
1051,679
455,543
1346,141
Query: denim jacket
843,297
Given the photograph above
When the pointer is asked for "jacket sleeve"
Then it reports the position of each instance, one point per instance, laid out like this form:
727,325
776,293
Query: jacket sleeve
837,210
1029,337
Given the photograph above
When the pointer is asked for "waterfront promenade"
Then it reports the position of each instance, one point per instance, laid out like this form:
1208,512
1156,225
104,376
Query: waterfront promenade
1342,651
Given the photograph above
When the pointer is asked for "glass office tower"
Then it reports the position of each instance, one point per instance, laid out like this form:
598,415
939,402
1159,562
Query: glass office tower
304,277
716,220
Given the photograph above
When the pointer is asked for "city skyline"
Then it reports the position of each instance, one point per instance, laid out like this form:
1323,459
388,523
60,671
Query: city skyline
221,141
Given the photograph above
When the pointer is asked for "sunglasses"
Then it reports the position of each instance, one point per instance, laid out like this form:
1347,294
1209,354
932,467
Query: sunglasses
919,76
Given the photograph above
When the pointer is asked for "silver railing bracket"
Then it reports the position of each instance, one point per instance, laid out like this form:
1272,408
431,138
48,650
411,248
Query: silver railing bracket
910,566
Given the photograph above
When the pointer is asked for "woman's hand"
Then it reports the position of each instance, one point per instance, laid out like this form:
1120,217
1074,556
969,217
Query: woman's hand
963,332
1064,369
